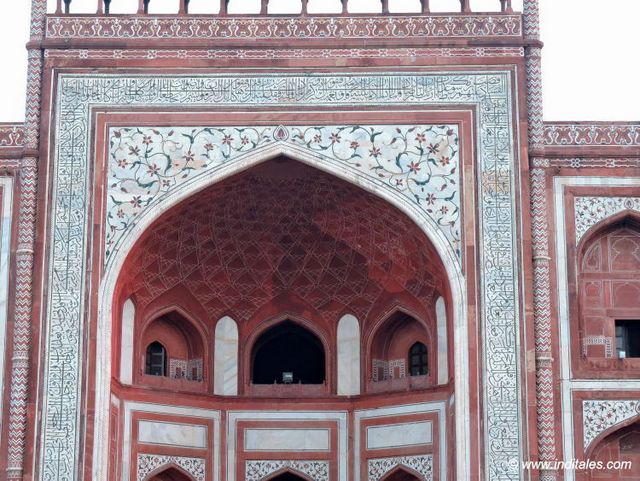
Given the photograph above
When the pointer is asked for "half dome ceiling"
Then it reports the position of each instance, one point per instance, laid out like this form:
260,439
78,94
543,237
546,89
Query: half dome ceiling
283,230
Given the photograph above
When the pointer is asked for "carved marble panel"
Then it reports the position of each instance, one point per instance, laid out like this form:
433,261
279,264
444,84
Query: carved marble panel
150,463
591,210
259,470
598,416
379,467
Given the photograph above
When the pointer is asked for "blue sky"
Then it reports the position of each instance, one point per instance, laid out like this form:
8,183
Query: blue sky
591,61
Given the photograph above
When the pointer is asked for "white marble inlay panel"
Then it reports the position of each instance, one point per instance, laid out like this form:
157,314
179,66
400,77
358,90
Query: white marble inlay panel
286,439
591,210
153,463
443,342
6,186
598,416
173,434
397,435
225,370
348,356
126,342
423,465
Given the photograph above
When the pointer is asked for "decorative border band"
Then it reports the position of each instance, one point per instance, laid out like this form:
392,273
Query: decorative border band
247,29
593,135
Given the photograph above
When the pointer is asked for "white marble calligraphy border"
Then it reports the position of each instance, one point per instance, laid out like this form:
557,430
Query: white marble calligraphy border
77,94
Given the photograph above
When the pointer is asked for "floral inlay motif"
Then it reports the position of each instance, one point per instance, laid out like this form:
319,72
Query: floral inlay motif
423,465
258,470
591,210
598,416
148,463
422,162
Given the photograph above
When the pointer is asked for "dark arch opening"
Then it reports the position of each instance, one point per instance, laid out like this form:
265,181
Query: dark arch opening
156,360
418,360
288,348
287,476
171,474
401,475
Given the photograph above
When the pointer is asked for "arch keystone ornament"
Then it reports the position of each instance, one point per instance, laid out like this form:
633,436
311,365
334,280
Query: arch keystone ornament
175,177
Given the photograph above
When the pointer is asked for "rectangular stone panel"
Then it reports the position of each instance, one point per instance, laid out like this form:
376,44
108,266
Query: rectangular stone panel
183,435
398,435
286,439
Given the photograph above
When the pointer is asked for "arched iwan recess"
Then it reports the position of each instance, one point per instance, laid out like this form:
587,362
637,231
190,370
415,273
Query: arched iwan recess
450,270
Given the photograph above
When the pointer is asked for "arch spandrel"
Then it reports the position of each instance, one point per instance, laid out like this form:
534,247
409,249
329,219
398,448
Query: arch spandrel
424,167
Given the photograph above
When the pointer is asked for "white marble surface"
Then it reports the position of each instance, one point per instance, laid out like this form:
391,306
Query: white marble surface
286,439
173,434
348,356
225,369
399,435
443,343
132,407
126,342
5,241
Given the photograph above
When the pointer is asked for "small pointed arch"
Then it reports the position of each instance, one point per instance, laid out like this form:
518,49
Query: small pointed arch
418,359
288,344
156,359
627,218
402,473
620,445
169,472
390,342
348,337
287,474
182,339
613,431
608,300
225,370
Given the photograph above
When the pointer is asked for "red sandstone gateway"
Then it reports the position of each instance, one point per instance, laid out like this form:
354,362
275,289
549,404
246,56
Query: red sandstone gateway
314,246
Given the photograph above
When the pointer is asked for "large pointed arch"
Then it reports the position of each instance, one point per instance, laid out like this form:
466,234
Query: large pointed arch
405,204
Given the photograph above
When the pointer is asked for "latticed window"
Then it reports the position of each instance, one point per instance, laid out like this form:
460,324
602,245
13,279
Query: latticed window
418,365
156,364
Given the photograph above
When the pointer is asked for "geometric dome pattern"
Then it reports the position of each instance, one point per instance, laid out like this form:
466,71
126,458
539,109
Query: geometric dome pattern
285,230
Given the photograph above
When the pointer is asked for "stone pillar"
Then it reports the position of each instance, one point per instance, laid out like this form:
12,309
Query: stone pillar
23,299
545,394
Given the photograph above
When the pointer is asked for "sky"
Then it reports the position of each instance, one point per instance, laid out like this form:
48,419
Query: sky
591,63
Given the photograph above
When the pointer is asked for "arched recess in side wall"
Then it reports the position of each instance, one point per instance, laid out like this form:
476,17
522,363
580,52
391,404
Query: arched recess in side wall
608,273
348,356
619,445
225,369
450,261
